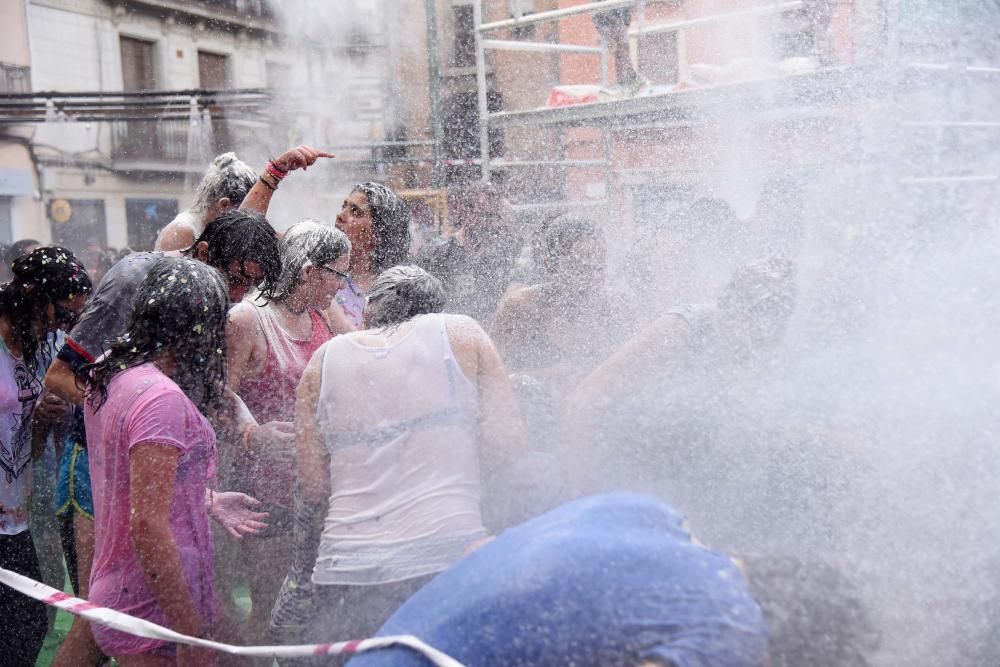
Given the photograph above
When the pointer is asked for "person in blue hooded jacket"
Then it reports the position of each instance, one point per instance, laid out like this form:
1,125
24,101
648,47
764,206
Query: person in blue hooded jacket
611,579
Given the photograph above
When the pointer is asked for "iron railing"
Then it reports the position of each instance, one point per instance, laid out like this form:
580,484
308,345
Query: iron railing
166,141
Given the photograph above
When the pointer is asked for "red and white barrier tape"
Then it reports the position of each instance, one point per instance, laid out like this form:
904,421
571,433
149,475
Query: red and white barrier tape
142,628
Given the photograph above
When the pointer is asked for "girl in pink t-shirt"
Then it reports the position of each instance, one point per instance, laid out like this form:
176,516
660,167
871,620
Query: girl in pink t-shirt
152,456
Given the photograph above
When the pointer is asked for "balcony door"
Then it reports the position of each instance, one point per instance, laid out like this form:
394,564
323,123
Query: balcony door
138,138
213,74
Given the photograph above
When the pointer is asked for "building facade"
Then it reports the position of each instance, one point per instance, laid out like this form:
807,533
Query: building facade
20,212
114,184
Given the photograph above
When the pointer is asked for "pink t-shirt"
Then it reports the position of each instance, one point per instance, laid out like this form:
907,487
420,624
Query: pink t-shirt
145,406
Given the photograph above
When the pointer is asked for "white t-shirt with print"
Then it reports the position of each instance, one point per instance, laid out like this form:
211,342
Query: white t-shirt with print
18,393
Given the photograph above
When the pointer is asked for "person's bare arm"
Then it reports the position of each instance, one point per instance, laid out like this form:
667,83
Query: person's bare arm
245,345
242,334
61,381
633,362
300,157
313,470
313,463
501,430
508,332
152,474
174,236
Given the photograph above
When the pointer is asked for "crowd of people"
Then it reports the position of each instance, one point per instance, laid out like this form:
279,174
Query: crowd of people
355,434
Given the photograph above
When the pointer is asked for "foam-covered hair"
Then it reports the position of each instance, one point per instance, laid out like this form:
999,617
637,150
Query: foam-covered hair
308,243
401,293
227,176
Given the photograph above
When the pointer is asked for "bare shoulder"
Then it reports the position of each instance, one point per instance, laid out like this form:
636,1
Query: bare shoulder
520,302
524,297
177,235
242,316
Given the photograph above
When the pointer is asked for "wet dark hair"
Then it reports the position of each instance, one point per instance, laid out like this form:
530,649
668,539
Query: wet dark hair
814,613
180,308
19,248
566,231
42,277
243,236
390,224
401,293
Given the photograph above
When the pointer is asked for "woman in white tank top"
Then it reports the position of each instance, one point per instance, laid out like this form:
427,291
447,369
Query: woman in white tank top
394,425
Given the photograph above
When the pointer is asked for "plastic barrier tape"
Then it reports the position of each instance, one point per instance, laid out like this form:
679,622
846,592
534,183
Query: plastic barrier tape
141,628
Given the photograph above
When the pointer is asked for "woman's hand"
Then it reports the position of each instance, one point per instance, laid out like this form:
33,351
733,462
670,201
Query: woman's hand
300,157
51,409
235,512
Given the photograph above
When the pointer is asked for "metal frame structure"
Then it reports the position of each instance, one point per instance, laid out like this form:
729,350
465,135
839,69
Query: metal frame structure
665,107
786,95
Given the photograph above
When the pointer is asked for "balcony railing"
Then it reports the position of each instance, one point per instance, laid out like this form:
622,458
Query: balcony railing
15,78
166,145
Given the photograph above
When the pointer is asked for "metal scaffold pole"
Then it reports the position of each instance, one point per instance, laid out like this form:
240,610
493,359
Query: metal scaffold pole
484,111
434,80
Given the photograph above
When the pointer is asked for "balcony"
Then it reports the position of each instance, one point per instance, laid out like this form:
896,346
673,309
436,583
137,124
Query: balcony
15,79
167,145
254,15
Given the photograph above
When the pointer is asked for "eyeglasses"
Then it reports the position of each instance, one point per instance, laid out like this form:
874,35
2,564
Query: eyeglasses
339,274
65,316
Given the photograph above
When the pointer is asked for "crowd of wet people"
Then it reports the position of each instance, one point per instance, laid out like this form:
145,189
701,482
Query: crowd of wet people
374,442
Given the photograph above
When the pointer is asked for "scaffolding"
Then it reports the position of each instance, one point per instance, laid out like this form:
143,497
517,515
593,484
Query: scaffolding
818,94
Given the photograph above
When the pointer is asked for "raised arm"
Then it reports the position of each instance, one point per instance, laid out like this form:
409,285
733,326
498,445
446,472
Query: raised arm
300,157
509,331
645,353
501,430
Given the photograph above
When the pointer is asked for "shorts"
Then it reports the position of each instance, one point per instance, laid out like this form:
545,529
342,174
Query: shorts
612,23
73,481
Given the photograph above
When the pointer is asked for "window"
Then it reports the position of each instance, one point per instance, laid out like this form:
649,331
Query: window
145,218
138,70
463,51
795,34
85,229
213,71
6,231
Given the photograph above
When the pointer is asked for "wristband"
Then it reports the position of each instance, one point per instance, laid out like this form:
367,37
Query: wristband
277,168
263,180
273,170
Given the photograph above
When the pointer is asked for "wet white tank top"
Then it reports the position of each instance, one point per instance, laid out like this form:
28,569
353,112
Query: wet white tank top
400,425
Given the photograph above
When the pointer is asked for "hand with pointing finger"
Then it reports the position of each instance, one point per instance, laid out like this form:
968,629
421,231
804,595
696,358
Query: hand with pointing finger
300,157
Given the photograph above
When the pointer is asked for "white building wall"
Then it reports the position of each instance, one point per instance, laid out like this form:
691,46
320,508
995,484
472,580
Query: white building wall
75,47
